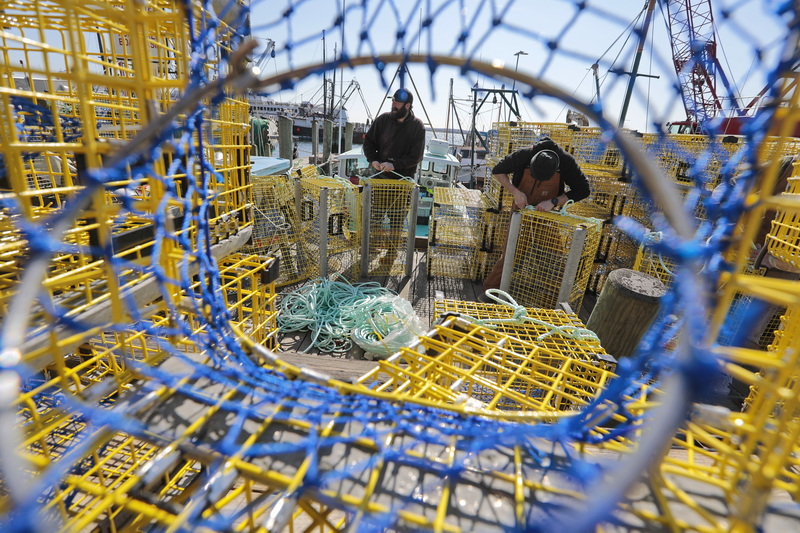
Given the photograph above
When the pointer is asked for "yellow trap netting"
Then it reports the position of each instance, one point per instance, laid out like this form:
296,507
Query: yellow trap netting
553,259
554,329
390,232
330,215
453,232
489,371
276,227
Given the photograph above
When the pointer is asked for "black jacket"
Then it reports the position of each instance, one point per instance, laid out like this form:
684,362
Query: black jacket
401,143
571,174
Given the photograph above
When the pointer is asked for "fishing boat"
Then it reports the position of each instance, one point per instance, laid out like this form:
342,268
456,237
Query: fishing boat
473,162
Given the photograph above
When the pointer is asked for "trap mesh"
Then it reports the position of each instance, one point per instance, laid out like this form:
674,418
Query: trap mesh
553,259
453,234
277,229
497,197
330,214
587,145
493,229
139,403
307,171
609,197
598,277
389,229
654,264
487,370
783,240
554,329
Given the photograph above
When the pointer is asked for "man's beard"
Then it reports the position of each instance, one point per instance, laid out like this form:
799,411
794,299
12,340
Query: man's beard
399,113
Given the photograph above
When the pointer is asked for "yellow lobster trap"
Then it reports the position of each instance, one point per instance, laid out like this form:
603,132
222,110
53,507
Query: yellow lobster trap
783,240
586,144
389,212
330,217
549,258
556,330
68,104
115,259
276,227
454,231
486,370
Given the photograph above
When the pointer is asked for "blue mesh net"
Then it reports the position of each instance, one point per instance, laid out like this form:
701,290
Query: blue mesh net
136,398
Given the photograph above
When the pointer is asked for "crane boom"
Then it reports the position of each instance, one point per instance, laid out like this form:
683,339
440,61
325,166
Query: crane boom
694,55
269,51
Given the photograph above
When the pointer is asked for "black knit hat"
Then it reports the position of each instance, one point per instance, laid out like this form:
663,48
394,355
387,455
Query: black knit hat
544,164
403,96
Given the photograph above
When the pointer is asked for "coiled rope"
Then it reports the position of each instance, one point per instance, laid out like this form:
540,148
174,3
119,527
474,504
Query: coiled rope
337,311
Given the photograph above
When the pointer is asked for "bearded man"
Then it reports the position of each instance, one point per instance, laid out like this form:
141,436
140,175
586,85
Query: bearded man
395,142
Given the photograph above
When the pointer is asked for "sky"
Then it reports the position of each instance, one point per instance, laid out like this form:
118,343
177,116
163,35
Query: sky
551,40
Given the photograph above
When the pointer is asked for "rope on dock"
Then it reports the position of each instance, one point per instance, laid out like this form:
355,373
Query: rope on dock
338,312
520,316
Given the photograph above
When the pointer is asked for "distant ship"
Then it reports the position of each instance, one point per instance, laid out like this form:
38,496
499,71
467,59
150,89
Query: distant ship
302,115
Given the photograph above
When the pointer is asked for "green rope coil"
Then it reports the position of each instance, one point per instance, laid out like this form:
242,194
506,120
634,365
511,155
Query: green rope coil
337,311
389,324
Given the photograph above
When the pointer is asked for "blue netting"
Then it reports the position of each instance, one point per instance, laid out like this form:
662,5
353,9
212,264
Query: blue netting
239,389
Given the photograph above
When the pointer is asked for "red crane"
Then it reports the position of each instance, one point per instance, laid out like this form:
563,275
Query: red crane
694,55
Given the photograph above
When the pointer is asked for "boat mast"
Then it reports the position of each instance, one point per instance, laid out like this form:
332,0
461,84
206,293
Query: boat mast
651,4
472,139
595,66
324,80
447,117
333,85
341,91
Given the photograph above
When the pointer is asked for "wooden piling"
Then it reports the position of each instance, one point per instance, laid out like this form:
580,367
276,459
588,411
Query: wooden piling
348,137
285,141
314,141
327,141
626,307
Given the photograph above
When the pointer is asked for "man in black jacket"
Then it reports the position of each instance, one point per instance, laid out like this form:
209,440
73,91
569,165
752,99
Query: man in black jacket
395,142
539,177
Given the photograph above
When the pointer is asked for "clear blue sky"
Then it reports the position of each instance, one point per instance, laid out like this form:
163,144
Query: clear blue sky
601,32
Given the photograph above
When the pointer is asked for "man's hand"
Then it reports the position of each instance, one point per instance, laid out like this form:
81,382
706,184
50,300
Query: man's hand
520,200
376,165
387,167
547,205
